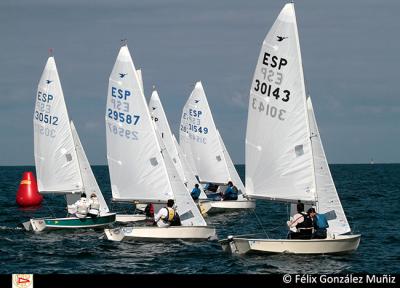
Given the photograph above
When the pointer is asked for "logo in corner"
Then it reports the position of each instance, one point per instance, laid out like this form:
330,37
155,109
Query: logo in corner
122,75
281,38
22,280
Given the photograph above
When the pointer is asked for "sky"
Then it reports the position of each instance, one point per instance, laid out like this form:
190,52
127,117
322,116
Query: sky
350,55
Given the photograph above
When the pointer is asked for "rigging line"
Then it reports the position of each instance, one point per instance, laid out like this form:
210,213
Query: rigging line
48,207
259,222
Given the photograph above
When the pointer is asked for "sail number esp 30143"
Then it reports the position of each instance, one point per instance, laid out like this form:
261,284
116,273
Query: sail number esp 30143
268,84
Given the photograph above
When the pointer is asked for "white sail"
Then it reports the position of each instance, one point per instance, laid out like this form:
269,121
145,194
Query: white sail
140,78
328,201
185,143
137,169
233,174
187,170
90,185
279,162
56,161
189,213
199,138
160,119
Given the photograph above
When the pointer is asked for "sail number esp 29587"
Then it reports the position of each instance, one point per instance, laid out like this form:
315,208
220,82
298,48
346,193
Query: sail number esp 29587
119,111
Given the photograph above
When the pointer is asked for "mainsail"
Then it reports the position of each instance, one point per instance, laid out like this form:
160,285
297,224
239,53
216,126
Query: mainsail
160,119
89,181
56,160
137,169
199,139
279,163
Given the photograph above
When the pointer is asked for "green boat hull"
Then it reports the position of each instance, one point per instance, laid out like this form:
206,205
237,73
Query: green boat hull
70,222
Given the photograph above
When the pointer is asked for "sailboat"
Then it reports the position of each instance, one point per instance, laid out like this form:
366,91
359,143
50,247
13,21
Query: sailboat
206,153
61,163
285,159
140,166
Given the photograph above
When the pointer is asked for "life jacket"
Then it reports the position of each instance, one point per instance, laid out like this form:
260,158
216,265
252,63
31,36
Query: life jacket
170,216
321,221
307,223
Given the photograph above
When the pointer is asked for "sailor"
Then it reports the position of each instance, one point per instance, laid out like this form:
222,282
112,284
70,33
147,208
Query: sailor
195,192
149,211
301,224
94,208
167,216
82,206
320,225
231,192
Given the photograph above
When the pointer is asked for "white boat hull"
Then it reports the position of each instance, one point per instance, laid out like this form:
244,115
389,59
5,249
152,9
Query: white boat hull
126,218
339,244
153,233
209,207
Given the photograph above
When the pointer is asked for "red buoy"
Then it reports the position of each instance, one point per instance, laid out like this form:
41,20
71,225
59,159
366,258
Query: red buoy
28,194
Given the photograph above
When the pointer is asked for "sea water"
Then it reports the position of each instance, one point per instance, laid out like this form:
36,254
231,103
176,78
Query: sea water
370,195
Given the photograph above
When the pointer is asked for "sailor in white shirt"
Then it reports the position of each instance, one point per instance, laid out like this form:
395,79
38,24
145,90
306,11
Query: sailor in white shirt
94,208
166,215
82,206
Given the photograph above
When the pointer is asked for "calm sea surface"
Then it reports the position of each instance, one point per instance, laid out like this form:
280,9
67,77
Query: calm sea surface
370,195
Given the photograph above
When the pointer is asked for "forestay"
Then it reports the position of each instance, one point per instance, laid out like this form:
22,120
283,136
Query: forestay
56,161
89,181
136,166
279,162
199,139
328,201
234,176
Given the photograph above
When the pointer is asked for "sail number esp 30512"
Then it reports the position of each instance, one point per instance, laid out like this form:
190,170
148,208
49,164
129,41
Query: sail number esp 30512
45,120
